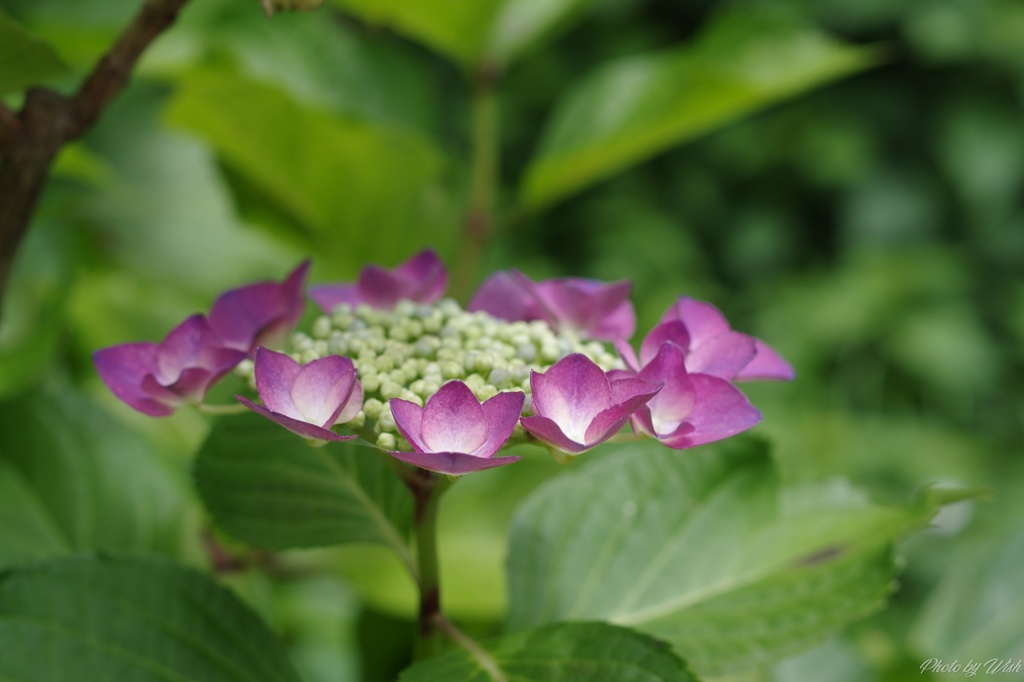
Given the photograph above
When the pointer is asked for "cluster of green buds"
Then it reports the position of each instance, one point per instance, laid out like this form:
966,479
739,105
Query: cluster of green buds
412,350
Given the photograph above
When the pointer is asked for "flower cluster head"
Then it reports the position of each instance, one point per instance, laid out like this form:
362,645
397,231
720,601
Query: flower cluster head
446,389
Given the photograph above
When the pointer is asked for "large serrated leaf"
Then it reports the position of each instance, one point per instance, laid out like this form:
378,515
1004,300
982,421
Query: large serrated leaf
24,59
72,479
130,619
268,487
704,549
638,106
567,652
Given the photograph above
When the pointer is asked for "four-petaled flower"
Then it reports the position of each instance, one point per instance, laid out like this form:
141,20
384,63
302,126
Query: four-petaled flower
158,378
714,348
422,279
586,307
260,314
576,405
691,409
454,433
306,399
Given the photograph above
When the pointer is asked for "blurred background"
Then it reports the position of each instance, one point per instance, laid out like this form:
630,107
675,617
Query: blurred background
844,180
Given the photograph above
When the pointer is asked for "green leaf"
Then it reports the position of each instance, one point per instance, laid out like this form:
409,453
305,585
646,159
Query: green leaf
639,106
977,611
704,549
368,192
100,618
471,32
72,479
568,652
268,487
24,59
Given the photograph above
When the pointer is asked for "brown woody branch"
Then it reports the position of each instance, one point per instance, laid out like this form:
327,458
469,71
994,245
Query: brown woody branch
31,139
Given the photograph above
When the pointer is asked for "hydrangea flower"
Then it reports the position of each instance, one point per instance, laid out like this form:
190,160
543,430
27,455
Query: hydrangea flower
454,433
260,314
691,409
422,279
158,378
715,349
576,405
590,309
306,399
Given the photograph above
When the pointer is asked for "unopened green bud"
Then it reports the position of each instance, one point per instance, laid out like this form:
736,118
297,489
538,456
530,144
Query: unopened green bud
322,327
372,408
387,441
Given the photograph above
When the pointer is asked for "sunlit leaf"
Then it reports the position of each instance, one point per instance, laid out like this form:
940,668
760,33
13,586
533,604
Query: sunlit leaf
24,59
978,610
470,32
638,106
703,549
359,189
569,652
72,479
268,487
99,618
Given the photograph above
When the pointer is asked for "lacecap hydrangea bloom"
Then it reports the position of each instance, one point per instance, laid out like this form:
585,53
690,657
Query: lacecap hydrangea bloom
446,389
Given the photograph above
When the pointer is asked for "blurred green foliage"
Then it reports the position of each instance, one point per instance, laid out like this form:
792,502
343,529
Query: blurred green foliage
872,231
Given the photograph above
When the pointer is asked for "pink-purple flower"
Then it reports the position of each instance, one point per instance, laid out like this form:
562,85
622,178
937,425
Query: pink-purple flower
577,405
422,279
586,307
691,409
260,314
157,378
454,433
715,349
306,399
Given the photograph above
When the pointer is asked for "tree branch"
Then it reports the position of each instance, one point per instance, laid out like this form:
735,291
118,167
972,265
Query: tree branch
31,140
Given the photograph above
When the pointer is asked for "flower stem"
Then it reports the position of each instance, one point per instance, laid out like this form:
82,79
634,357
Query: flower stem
236,408
427,494
485,148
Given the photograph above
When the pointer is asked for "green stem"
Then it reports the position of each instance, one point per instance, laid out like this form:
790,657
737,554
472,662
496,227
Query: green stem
483,182
427,494
236,408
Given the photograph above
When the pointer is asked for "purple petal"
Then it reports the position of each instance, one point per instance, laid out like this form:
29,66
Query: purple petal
628,395
502,413
380,288
409,420
502,296
620,323
452,463
259,313
354,404
721,410
722,356
702,320
767,364
676,399
571,393
123,367
294,425
182,347
191,385
322,388
591,308
549,432
327,296
275,376
427,274
627,354
673,330
453,420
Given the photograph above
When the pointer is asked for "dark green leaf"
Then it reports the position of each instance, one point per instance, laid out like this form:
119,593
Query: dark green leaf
636,107
703,549
568,652
268,487
130,620
72,479
24,59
